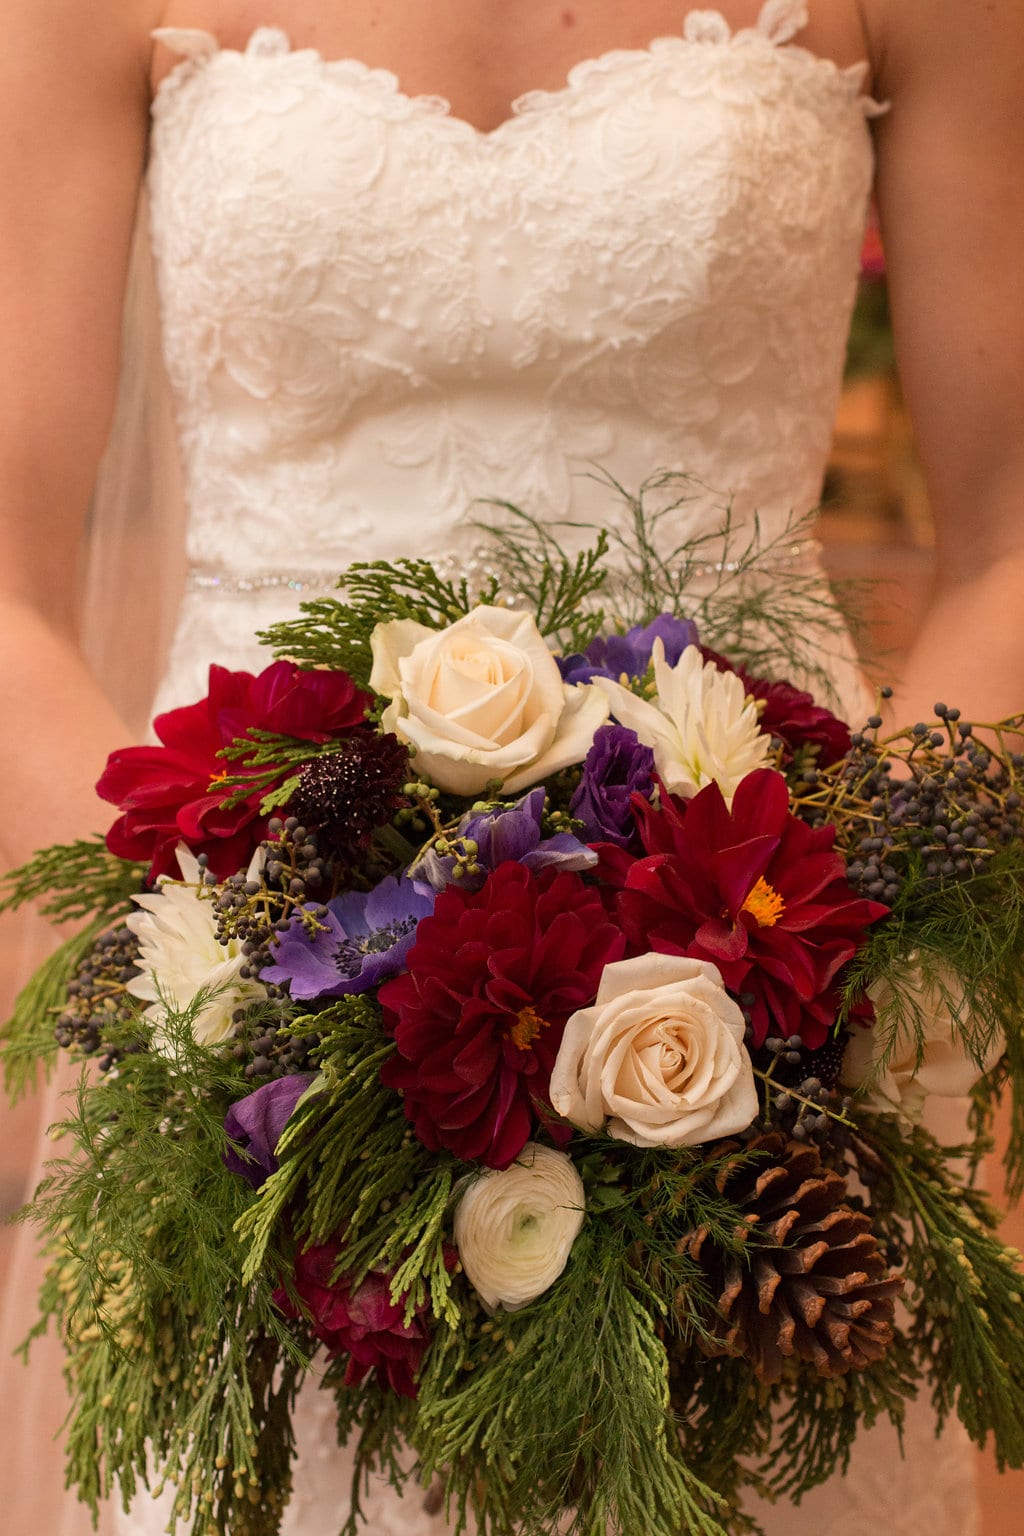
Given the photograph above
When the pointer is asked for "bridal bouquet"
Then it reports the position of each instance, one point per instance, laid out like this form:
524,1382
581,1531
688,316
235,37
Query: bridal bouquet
517,1020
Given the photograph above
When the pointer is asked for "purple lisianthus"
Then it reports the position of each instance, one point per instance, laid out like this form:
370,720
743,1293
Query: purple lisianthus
363,940
510,834
255,1124
629,655
616,767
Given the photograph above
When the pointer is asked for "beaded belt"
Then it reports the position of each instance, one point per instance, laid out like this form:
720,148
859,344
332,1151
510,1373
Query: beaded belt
477,566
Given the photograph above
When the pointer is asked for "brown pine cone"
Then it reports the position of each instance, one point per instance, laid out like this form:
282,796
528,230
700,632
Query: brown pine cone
811,1282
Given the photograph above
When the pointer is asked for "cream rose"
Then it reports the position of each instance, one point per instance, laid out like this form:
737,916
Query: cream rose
943,1068
482,700
514,1228
659,1057
701,725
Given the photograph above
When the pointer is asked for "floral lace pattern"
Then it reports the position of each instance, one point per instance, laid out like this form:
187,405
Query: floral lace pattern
375,313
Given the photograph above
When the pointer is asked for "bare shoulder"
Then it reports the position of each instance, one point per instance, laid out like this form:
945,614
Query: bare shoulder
103,45
916,42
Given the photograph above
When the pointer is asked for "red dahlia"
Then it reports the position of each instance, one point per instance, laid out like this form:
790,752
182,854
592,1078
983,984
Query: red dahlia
493,976
791,715
168,794
754,890
362,1322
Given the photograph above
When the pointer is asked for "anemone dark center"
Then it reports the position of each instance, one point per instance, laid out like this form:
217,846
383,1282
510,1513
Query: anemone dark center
350,953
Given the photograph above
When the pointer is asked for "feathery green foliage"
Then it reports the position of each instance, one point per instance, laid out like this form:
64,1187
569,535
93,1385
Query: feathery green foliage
335,631
270,764
747,592
73,880
174,1357
564,1403
350,1164
964,1287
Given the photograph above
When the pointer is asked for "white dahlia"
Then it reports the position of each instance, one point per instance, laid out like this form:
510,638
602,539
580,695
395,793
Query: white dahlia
180,957
701,725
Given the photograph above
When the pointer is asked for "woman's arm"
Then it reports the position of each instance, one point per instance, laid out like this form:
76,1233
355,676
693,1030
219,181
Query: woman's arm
73,121
951,188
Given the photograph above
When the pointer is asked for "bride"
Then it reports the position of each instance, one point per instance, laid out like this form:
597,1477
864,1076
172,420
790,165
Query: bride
624,236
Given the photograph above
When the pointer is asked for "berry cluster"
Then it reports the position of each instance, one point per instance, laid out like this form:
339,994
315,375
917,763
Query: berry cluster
935,800
97,999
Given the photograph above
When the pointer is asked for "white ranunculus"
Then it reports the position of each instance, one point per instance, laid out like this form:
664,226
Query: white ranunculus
482,700
945,1067
180,957
515,1227
659,1057
701,725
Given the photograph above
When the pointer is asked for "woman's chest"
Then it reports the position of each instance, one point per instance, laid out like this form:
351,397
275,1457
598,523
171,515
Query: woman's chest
480,57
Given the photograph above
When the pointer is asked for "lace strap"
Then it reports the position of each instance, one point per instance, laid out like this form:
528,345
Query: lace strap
187,42
779,22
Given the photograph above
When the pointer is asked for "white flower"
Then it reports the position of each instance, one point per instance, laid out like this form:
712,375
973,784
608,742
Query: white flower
514,1228
482,700
945,1067
660,1056
701,726
179,956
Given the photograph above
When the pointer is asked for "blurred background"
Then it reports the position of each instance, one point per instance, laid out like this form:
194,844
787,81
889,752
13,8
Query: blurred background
875,526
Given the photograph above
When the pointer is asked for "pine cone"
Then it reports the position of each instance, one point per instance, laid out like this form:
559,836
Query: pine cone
811,1282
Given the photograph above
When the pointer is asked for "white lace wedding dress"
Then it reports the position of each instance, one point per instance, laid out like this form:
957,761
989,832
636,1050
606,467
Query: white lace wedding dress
374,313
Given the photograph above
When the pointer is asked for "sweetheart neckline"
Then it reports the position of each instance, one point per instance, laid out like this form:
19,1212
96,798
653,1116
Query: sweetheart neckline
779,21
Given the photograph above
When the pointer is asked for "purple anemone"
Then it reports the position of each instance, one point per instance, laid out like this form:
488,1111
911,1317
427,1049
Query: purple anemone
509,834
363,940
255,1124
629,655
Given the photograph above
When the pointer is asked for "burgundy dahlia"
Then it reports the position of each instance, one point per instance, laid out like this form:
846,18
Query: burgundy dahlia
754,890
479,1016
362,1321
791,715
169,794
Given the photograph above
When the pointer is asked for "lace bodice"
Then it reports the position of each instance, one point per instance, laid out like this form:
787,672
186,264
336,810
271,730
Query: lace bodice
375,313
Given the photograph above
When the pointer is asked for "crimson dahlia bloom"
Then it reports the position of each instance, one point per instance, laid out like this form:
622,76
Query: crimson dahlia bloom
755,891
791,715
363,1323
164,792
478,1019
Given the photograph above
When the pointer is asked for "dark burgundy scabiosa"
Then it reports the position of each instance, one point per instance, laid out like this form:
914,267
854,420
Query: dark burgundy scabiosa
791,715
347,794
629,654
755,891
617,767
169,793
255,1125
478,1018
361,1321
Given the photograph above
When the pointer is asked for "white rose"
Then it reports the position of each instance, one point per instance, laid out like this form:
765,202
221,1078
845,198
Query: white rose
482,700
514,1228
944,1066
180,956
701,725
660,1056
